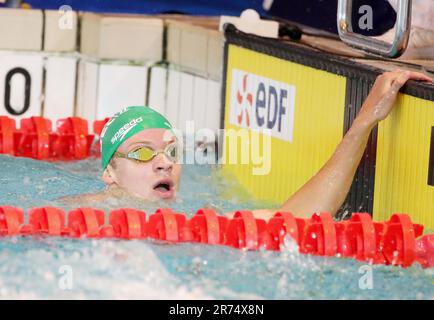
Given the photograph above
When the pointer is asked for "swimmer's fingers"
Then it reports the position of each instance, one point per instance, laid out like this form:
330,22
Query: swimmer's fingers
385,80
394,82
399,78
398,81
408,75
420,76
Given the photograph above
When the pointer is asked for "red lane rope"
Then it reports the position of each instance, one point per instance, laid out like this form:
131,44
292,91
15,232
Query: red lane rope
86,221
10,220
7,135
207,227
392,242
36,140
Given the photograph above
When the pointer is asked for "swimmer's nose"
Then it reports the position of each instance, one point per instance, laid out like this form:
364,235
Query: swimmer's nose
161,163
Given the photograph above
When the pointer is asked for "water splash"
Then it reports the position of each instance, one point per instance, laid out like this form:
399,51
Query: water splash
114,269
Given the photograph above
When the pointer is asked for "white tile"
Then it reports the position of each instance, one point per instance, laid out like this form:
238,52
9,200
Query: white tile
20,85
199,102
60,30
173,96
60,78
215,55
21,29
122,37
187,46
173,43
213,107
87,88
185,112
194,41
120,86
157,89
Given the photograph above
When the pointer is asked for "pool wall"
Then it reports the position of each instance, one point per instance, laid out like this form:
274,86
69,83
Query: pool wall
58,64
318,96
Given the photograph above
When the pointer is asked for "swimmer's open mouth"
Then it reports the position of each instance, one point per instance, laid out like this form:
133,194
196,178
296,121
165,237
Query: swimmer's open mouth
164,188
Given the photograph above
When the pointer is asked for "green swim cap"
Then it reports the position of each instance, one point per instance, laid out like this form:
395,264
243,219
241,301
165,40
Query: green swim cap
125,124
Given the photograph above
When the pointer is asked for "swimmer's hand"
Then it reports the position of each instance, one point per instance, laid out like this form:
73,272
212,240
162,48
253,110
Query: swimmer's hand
384,92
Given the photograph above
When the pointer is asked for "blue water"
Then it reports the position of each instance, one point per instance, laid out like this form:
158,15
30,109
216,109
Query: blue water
34,267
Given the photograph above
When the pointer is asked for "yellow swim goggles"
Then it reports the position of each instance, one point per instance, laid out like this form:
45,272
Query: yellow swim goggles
146,154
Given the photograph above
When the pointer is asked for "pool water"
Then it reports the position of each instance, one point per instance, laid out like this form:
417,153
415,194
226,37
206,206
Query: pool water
34,267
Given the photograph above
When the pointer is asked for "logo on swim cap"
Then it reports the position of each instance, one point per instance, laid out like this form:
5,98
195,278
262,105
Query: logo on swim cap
111,120
125,124
125,129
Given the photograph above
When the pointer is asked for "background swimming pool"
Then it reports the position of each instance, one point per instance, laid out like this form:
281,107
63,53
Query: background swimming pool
32,267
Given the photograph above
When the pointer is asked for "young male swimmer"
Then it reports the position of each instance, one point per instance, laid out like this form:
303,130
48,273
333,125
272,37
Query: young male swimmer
139,154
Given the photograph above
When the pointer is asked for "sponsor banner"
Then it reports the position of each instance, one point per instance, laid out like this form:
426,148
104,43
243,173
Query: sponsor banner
259,103
300,108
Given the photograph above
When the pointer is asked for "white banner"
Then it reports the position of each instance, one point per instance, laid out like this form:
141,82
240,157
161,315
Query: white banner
260,103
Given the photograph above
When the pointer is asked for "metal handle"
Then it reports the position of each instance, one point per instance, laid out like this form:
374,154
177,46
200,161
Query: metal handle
369,44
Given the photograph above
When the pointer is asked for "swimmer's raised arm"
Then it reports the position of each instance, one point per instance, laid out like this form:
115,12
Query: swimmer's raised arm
327,190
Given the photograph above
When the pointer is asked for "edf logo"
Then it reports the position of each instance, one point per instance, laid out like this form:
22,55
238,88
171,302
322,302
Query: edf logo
261,103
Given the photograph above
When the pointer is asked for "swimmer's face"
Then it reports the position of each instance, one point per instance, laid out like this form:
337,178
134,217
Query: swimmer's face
152,180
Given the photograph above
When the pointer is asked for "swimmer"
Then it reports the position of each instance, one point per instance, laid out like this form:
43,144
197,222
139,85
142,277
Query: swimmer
139,155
